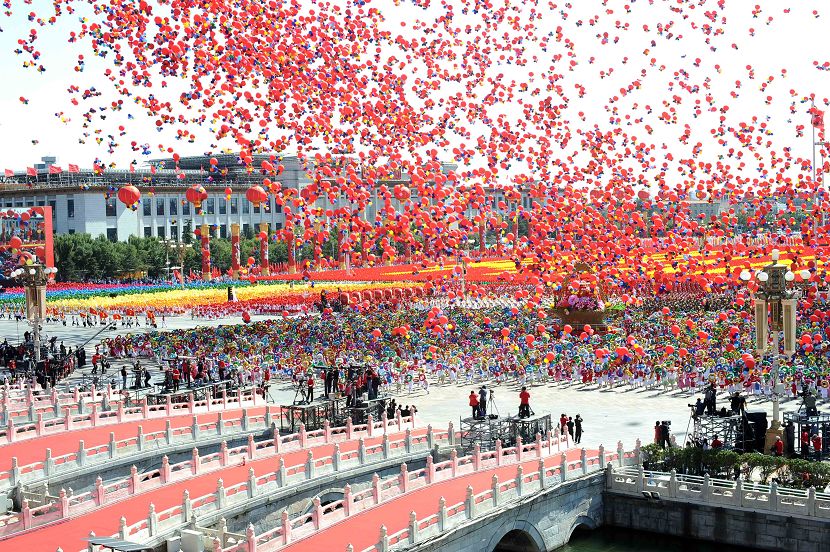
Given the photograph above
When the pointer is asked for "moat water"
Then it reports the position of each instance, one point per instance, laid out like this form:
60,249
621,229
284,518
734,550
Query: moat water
620,540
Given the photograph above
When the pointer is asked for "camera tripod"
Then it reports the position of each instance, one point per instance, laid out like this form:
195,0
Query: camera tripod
300,392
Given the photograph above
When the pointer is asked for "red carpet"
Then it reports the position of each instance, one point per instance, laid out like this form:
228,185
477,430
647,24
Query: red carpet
363,529
32,450
104,521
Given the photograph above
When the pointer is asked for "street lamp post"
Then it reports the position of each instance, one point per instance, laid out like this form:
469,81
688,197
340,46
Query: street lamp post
34,279
775,309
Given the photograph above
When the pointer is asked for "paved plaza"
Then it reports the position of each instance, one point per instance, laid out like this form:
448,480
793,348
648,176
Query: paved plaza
609,415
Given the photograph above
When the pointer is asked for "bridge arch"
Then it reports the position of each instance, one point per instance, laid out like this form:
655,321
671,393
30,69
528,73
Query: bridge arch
520,536
582,520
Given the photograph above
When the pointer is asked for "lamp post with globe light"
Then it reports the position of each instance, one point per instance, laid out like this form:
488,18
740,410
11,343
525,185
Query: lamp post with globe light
775,309
34,278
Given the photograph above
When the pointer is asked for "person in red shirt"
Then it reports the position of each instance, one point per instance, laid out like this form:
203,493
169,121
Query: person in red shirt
176,376
817,445
310,394
524,403
474,403
778,447
805,443
716,443
563,422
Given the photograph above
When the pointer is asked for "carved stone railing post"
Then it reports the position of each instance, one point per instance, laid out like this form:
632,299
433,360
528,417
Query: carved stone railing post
520,480
187,507
470,503
335,458
403,478
811,501
494,486
286,527
81,455
673,484
251,447
429,470
221,495
316,513
347,500
705,492
442,515
152,521
195,462
376,488
282,477
563,466
413,528
252,485
303,436
383,543
361,451
309,466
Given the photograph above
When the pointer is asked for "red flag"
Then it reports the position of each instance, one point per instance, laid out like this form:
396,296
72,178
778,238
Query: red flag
178,276
132,168
54,169
98,169
74,168
818,118
9,173
31,171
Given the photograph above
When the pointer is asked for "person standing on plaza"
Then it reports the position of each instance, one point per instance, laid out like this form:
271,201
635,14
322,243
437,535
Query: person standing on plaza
474,403
524,403
563,424
578,429
482,401
310,393
570,427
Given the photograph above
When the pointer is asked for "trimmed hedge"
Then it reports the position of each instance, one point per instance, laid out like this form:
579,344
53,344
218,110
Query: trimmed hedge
726,464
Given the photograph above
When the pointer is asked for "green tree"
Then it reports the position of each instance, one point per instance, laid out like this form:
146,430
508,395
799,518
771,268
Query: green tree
187,231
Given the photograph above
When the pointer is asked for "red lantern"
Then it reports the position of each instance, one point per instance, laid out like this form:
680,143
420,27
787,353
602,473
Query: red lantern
15,242
196,195
129,195
256,194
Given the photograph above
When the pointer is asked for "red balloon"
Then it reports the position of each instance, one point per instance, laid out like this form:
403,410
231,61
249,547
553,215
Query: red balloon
505,332
15,242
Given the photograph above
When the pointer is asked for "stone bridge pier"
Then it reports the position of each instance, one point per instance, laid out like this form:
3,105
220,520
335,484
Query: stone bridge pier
540,522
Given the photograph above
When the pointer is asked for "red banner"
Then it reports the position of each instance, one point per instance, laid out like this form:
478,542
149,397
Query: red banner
264,264
205,252
235,252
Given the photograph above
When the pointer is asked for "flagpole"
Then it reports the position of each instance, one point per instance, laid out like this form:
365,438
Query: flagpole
813,124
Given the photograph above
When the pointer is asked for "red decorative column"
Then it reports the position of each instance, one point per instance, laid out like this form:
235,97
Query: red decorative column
205,237
264,262
235,253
